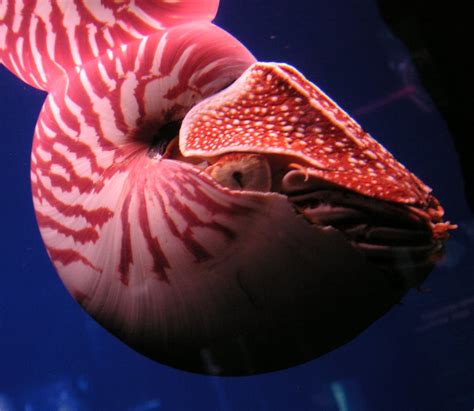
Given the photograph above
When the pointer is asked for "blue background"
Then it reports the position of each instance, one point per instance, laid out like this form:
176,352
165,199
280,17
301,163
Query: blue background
417,357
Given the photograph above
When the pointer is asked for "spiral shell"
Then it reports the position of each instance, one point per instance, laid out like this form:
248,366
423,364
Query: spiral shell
215,225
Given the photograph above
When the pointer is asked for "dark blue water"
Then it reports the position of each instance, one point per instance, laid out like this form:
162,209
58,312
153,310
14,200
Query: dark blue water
418,357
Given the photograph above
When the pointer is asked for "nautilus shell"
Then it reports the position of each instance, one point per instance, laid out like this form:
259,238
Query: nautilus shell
217,214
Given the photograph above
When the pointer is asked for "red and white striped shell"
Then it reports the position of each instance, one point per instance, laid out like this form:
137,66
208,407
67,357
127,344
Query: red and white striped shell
266,229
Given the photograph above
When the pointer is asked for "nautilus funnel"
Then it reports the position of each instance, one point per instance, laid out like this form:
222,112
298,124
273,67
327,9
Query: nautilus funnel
217,214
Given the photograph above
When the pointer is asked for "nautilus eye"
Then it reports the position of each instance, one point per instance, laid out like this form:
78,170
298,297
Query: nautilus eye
242,172
216,214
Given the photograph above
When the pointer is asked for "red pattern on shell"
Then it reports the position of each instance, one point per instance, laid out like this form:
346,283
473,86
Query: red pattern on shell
272,108
39,38
97,125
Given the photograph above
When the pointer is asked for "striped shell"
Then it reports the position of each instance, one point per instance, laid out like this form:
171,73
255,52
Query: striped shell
221,232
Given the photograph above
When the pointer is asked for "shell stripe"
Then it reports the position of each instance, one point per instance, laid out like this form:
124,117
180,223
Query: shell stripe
90,171
64,34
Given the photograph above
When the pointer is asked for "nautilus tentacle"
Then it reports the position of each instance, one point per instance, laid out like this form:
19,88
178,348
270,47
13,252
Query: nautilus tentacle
216,214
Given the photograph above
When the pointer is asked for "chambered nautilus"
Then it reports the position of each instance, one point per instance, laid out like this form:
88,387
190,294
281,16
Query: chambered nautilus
217,214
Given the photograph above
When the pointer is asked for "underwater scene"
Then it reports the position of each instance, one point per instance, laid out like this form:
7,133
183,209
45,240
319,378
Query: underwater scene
235,205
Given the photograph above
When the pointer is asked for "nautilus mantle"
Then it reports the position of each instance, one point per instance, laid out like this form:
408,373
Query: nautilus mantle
217,214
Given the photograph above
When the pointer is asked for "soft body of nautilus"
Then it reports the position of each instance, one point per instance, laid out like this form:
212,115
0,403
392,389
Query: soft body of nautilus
216,214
